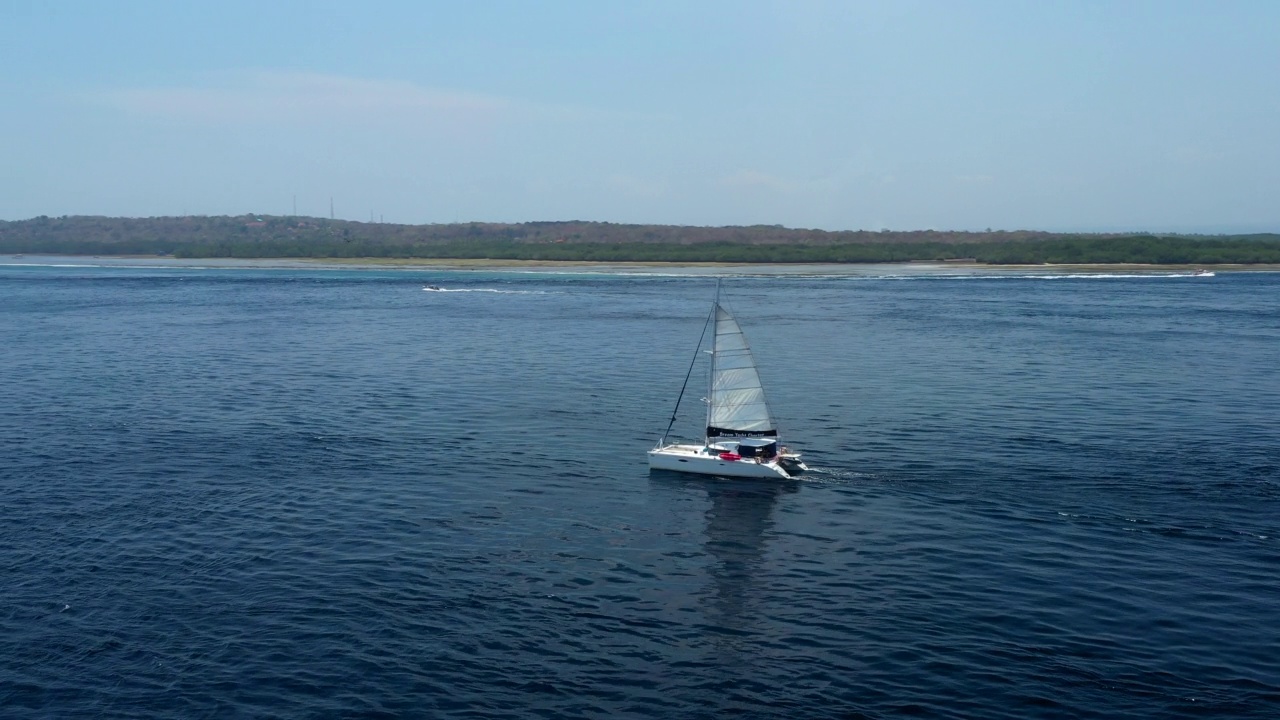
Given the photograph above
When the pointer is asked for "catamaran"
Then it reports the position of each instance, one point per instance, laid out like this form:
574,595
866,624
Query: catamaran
742,437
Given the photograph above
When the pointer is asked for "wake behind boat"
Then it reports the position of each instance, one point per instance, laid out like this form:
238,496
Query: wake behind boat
741,437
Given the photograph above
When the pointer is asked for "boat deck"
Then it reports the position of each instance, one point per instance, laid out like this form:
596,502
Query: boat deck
697,459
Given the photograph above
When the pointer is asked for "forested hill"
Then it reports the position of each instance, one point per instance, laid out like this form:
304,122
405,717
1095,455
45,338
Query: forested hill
269,236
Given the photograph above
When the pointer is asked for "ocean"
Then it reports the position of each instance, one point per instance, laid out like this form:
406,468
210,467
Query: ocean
289,491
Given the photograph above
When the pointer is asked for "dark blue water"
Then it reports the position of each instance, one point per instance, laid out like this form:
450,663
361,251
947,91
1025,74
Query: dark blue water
309,493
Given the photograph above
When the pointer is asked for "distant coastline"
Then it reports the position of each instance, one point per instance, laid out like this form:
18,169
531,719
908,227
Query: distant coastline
571,242
638,268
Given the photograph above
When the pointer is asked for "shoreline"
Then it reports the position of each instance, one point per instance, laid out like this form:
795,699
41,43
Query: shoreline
491,263
635,267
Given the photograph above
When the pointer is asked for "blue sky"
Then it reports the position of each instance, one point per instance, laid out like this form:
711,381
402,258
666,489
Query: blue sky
905,115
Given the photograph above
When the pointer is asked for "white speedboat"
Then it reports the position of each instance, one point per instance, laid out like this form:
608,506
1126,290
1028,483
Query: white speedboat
741,436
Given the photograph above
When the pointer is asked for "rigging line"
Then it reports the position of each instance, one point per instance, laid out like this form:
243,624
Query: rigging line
694,361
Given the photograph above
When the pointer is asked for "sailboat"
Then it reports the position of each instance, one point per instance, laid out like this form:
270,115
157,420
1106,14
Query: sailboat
741,438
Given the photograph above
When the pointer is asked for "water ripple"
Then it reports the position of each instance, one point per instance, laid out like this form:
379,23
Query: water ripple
299,493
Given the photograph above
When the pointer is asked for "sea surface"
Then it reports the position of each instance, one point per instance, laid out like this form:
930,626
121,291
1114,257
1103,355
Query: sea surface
301,492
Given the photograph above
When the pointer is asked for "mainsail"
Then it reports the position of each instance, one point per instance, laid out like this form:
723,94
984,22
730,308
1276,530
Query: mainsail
737,406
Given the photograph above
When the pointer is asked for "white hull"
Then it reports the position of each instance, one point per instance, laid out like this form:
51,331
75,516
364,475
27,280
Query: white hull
695,459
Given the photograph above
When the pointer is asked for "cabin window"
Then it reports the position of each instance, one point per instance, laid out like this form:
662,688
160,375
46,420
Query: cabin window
757,448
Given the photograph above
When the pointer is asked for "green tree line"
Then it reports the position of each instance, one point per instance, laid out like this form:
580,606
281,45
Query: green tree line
1138,249
256,237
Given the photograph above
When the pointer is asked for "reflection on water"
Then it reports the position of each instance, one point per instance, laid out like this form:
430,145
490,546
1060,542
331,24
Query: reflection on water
738,524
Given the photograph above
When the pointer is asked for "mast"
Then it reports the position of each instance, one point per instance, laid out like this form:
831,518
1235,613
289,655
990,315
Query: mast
711,371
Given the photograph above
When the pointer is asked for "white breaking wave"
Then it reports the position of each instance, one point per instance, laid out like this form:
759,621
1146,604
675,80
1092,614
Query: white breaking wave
1037,276
853,275
1110,276
485,290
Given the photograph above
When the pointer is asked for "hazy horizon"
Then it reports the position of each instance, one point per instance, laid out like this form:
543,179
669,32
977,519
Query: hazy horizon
1084,117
